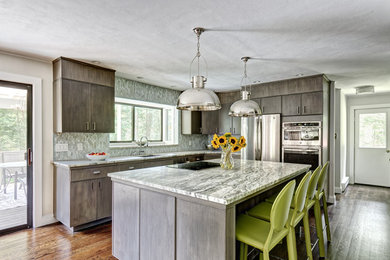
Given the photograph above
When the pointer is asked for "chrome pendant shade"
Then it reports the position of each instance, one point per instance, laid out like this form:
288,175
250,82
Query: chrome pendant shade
198,98
245,107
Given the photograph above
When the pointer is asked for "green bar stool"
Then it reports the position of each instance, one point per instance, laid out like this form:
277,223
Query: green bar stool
296,214
262,234
320,194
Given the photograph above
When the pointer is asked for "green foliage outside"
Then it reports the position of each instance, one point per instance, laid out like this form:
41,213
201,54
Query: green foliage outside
372,130
13,129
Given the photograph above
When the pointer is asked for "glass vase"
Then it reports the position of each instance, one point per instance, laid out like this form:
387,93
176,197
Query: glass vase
227,159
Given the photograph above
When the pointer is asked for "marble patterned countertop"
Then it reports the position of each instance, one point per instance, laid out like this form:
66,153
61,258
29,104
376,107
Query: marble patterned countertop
215,184
80,163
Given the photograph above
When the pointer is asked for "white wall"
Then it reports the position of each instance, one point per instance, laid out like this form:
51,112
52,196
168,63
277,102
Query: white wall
365,101
21,67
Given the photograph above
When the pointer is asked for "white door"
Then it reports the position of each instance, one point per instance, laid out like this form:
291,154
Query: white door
372,146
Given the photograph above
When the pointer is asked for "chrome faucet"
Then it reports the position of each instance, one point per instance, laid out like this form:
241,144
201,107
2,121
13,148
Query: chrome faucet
143,141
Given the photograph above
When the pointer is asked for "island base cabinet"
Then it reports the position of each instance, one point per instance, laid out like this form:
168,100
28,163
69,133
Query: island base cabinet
151,225
125,222
204,232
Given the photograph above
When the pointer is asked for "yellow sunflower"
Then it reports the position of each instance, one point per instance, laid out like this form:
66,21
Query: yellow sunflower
215,144
228,134
233,141
215,137
243,145
222,140
242,141
236,148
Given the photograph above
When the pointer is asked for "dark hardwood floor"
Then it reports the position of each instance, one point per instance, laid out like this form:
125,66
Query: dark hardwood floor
360,225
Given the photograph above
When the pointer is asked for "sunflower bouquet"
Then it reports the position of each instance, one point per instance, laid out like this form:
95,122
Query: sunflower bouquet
229,145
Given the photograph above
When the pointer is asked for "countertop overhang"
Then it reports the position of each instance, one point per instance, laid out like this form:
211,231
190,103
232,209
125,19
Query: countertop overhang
214,184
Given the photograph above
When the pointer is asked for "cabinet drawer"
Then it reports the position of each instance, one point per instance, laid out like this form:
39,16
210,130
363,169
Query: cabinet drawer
91,173
130,166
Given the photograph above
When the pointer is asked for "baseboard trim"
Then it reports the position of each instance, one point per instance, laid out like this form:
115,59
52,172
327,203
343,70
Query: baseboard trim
344,183
331,199
338,190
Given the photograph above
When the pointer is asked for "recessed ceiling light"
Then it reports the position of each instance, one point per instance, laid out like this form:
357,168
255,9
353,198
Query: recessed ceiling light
299,75
140,77
95,62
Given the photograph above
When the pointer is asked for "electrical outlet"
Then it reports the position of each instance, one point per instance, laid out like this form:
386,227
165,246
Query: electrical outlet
61,147
79,147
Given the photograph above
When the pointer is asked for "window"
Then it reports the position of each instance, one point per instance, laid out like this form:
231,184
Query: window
134,119
372,130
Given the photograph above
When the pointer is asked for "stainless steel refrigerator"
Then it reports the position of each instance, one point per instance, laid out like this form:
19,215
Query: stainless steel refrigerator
263,135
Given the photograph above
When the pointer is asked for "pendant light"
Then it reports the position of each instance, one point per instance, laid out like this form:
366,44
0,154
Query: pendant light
198,98
245,107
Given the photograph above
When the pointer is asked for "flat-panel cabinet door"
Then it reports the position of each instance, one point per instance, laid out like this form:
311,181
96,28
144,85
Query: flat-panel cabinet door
225,121
104,198
291,105
75,106
102,109
271,105
312,103
83,196
210,122
236,128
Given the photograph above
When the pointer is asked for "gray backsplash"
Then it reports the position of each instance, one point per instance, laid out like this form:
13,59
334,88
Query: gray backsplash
97,142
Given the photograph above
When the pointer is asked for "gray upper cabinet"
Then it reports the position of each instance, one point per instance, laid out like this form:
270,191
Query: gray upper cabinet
75,101
102,109
291,105
210,122
312,103
84,97
271,105
225,121
191,122
236,125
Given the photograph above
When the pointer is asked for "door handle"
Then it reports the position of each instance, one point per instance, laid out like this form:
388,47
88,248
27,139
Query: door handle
29,156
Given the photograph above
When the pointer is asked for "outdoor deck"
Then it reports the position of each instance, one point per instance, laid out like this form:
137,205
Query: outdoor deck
13,217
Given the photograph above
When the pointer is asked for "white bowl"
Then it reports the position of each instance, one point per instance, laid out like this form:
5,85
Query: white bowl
97,157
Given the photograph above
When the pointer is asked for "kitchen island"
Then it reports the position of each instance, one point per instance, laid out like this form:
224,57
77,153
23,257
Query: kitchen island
173,213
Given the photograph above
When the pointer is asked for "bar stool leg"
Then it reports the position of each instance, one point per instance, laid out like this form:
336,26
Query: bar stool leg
292,244
317,215
306,227
326,218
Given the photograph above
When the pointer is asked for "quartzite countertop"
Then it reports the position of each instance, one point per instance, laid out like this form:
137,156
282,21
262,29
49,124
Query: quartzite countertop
135,158
215,184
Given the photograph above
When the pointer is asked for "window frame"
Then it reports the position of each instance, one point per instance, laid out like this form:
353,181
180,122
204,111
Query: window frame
164,109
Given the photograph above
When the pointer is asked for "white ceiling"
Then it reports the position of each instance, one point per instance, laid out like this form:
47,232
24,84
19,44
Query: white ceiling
345,39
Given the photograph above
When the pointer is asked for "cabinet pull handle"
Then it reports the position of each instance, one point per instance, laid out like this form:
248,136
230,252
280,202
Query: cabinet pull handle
99,185
94,126
96,172
92,185
131,167
263,109
87,126
304,109
234,130
298,110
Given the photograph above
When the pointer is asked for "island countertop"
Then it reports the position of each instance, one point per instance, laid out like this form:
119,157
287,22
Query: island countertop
215,184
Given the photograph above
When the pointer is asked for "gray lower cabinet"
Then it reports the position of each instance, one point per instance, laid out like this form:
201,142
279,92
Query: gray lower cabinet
83,197
210,122
312,103
291,105
271,105
104,198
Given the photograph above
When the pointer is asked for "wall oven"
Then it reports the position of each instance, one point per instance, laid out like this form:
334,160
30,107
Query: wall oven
302,143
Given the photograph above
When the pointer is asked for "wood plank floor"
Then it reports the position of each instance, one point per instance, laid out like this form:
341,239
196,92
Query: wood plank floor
13,217
360,225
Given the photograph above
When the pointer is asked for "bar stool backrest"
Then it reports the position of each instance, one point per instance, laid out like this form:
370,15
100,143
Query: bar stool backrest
300,193
281,207
313,183
321,179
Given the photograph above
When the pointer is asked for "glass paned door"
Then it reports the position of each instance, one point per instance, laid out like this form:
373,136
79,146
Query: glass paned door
15,156
372,146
